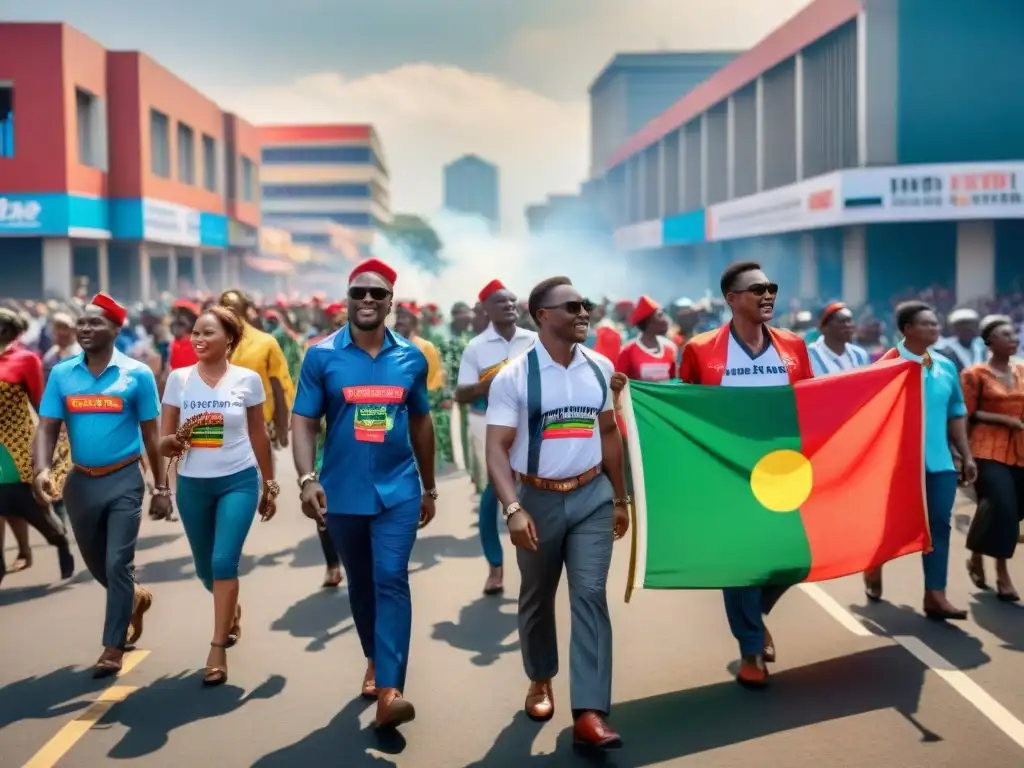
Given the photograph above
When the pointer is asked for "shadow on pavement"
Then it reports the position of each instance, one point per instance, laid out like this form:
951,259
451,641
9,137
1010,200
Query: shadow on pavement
181,569
431,550
343,741
673,726
1004,620
319,617
482,628
50,695
945,638
152,712
16,595
157,540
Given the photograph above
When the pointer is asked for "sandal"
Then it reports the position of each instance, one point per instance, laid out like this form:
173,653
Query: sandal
235,633
108,665
977,574
143,602
21,563
214,676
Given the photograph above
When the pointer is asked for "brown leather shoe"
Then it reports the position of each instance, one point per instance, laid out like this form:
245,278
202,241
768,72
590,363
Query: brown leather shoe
752,673
540,701
590,730
769,647
392,709
142,603
369,682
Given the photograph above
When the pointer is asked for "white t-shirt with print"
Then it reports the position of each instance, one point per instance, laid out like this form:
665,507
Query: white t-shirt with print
764,369
221,447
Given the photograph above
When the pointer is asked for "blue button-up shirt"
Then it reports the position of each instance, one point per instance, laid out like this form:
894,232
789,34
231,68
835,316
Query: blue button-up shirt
368,460
102,413
943,400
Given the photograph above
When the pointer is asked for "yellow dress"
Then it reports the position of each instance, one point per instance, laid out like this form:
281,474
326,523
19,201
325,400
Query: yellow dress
435,371
259,352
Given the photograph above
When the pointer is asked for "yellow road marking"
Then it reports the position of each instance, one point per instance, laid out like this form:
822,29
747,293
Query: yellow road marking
69,735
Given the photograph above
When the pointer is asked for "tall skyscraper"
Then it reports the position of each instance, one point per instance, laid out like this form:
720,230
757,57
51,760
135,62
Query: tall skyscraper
471,187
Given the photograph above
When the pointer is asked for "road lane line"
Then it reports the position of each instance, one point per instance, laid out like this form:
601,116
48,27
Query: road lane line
957,679
69,735
832,607
961,682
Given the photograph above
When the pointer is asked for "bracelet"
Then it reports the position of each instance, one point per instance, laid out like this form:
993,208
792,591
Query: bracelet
625,501
166,492
431,492
272,488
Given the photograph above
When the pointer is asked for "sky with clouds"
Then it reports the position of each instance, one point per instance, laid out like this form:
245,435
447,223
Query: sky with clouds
506,79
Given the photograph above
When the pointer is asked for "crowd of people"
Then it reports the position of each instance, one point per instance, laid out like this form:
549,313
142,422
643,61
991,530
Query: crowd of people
378,396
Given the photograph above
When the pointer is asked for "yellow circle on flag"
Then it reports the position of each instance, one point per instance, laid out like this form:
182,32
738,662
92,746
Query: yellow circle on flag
782,480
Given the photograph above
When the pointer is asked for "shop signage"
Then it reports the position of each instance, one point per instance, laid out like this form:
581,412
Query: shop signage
242,235
169,223
20,214
638,237
806,205
53,215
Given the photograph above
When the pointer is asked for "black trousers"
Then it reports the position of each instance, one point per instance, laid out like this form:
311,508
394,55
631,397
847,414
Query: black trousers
16,500
996,525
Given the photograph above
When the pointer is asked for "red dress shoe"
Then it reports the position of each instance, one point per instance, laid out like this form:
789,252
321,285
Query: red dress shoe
590,730
392,709
752,673
540,701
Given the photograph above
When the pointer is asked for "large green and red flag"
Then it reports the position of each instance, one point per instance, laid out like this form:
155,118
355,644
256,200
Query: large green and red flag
746,486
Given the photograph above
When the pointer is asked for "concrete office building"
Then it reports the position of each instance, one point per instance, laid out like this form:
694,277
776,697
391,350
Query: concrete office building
318,176
471,187
853,151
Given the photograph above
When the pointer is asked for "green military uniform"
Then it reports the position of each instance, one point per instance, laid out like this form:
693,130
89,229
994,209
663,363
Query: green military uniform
450,346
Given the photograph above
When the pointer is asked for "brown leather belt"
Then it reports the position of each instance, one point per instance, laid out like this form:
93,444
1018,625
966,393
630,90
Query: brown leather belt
561,486
107,470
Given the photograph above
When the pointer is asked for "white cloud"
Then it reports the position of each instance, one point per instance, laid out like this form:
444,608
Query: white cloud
428,115
569,56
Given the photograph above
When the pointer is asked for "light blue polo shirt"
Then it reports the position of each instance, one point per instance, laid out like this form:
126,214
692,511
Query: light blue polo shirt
943,400
102,413
368,462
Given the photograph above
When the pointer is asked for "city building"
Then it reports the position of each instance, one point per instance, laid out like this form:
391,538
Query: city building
856,152
321,176
567,214
634,88
471,187
114,173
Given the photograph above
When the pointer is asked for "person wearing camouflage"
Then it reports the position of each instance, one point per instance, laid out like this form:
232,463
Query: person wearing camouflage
452,343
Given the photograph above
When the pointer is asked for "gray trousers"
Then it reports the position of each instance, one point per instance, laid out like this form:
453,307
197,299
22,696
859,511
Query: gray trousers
575,531
105,513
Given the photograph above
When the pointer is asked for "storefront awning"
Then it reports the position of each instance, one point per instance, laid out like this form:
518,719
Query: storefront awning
269,265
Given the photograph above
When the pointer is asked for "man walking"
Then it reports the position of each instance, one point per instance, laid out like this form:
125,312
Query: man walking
551,426
483,357
110,406
747,352
372,386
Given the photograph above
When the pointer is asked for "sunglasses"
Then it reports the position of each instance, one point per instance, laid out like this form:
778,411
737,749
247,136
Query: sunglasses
760,289
357,293
574,307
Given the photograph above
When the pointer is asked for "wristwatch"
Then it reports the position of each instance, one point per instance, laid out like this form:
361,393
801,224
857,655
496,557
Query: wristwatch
306,478
158,491
510,510
625,501
431,492
272,488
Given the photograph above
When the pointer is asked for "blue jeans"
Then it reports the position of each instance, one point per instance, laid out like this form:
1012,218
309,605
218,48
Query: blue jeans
375,550
940,494
489,538
745,608
217,513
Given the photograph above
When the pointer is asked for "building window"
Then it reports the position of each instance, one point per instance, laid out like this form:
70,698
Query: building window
248,180
325,190
159,144
317,156
91,119
209,163
186,154
6,120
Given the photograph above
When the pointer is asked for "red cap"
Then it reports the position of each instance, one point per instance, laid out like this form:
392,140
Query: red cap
376,267
490,289
113,311
411,307
645,307
431,307
623,303
333,309
830,310
188,306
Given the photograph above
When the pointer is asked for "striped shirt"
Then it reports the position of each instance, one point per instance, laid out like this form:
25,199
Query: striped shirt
824,361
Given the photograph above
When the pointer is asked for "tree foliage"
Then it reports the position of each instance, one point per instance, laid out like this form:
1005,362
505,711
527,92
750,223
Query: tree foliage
417,241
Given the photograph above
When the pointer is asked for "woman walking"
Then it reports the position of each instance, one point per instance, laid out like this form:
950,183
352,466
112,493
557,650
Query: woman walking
994,394
213,422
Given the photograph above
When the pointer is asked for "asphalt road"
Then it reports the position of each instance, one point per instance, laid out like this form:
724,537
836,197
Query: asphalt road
854,685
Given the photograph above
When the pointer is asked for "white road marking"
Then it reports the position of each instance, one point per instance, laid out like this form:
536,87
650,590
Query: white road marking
957,679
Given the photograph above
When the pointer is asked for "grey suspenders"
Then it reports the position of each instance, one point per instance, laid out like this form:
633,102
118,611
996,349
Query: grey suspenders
535,421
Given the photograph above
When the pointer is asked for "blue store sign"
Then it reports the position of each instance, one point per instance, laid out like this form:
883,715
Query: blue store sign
53,215
156,221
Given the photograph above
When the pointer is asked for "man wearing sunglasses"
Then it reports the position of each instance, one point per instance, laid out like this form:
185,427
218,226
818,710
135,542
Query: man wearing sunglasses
371,384
554,454
483,357
747,352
